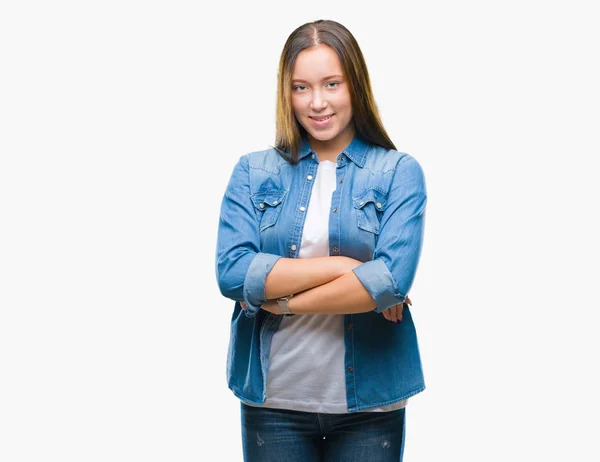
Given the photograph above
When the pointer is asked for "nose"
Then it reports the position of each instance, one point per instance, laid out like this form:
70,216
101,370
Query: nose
318,103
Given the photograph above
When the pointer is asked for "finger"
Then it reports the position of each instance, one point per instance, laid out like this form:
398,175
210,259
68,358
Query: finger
386,314
408,301
393,314
243,305
398,312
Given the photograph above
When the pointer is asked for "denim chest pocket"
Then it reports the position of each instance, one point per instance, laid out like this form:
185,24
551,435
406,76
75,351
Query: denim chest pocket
369,207
268,203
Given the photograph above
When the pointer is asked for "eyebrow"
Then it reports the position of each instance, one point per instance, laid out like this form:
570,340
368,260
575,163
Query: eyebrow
324,78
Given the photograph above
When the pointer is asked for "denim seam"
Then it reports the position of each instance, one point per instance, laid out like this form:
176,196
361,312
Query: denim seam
321,425
241,397
267,323
263,168
263,156
385,403
353,362
375,188
262,365
338,220
400,163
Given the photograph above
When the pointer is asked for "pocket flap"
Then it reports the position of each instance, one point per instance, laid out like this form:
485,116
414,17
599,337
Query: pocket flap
371,195
268,198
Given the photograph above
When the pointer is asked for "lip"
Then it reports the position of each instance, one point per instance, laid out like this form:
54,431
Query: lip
322,123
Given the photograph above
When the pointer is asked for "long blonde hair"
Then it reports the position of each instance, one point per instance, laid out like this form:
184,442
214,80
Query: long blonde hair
365,113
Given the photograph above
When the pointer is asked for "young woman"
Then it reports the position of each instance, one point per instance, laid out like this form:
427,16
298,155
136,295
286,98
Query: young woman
318,244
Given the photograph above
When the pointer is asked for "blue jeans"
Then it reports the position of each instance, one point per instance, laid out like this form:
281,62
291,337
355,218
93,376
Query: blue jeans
274,435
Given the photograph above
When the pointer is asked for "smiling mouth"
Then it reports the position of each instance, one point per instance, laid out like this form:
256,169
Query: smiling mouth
322,119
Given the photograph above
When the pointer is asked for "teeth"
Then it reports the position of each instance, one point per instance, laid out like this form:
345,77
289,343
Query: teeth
321,120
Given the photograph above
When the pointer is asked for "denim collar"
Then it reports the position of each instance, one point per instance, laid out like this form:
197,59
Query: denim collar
356,151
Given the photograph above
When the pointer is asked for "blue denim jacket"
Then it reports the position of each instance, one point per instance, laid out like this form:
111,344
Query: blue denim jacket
377,217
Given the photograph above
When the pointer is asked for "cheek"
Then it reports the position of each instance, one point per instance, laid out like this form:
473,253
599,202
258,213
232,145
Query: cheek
341,102
344,109
298,114
345,99
297,103
348,104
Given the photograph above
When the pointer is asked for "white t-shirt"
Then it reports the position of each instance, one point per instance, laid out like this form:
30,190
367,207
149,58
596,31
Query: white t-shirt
306,363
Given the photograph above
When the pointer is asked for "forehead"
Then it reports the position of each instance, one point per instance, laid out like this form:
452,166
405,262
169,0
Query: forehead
316,63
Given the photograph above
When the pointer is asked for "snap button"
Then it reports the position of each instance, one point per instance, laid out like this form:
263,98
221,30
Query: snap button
313,156
309,177
342,159
350,369
262,206
275,202
334,210
349,326
362,202
293,246
302,209
335,250
378,205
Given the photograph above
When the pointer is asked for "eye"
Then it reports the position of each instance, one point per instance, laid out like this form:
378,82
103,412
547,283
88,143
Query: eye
298,87
333,83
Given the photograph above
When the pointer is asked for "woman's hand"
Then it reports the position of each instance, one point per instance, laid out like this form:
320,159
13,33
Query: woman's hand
394,313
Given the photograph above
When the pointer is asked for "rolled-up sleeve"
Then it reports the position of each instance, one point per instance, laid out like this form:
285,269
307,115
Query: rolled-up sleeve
389,275
241,268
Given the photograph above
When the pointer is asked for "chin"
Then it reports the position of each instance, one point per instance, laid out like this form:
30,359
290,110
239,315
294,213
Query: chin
322,136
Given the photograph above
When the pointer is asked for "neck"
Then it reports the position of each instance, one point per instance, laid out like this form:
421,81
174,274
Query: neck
330,149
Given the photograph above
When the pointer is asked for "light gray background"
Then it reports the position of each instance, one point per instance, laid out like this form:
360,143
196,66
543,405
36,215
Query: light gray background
120,123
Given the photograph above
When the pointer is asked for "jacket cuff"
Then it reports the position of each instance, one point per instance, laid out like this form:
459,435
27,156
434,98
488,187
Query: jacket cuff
254,283
379,282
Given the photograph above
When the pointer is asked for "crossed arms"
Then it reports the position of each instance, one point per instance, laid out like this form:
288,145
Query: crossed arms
324,285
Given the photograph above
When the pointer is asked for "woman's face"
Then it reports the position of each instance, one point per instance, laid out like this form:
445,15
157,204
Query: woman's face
320,96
